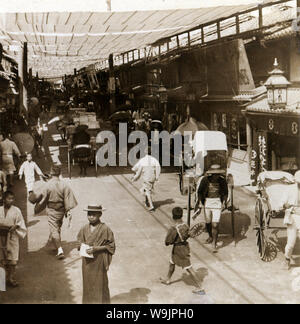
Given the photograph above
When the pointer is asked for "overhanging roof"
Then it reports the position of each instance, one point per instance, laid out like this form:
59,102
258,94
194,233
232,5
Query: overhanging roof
60,42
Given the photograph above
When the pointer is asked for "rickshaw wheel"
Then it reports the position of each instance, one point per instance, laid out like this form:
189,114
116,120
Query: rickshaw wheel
270,252
261,241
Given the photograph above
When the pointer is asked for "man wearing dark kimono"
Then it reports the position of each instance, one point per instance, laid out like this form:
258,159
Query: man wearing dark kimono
98,238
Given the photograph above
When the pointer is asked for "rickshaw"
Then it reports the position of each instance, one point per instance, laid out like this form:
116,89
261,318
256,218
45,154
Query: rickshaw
208,148
83,152
274,190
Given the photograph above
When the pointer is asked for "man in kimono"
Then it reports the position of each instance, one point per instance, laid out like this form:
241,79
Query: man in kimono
148,168
59,200
99,241
11,219
7,149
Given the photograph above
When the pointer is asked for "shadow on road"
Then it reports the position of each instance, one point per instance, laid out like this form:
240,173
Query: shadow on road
43,279
201,274
161,203
242,223
134,296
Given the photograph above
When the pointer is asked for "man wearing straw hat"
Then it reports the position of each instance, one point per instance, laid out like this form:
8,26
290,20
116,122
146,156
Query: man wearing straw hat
213,193
292,220
97,246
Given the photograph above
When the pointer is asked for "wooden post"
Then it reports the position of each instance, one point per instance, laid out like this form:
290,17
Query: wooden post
237,24
22,68
249,139
30,88
189,203
218,29
202,35
112,84
260,17
297,25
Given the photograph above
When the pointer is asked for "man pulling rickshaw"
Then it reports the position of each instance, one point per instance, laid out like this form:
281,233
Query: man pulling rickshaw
213,194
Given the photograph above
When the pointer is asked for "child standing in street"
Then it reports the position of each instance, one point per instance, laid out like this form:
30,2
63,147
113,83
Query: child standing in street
99,242
12,219
177,236
28,168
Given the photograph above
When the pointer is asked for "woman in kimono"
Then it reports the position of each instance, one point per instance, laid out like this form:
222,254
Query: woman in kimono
101,246
12,219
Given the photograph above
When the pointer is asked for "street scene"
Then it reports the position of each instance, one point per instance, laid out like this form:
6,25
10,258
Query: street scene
150,154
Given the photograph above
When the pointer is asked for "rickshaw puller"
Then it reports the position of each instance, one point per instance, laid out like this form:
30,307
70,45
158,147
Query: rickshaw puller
213,193
292,220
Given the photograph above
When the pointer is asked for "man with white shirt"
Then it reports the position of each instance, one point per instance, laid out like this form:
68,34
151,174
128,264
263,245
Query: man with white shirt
148,168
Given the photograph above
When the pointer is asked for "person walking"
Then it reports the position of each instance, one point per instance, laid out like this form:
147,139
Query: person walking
177,235
213,194
292,221
97,241
11,218
59,200
29,168
148,168
8,148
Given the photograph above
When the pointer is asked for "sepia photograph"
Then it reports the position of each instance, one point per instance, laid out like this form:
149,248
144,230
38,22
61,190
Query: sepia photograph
150,154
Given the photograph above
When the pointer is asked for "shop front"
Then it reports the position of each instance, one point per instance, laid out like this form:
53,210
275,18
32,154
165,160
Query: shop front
276,140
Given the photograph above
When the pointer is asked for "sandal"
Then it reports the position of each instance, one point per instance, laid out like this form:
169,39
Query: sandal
199,291
164,281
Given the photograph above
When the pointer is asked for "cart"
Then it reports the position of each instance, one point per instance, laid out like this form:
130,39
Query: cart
275,189
83,152
208,148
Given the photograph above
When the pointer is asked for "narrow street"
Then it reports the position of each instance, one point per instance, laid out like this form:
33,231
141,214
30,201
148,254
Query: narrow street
234,275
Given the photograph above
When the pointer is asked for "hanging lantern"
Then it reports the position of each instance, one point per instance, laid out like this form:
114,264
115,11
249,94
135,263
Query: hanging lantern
11,95
163,94
277,87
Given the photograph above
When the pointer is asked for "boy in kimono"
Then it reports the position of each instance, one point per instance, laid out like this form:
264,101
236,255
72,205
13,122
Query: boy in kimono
100,243
177,236
11,217
29,168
